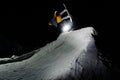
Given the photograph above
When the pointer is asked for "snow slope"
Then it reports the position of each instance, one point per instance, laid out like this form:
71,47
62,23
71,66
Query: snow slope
72,56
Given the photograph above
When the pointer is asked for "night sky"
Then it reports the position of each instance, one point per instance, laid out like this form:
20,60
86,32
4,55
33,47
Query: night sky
25,29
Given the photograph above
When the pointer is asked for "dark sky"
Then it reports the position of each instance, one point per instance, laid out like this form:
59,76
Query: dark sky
24,29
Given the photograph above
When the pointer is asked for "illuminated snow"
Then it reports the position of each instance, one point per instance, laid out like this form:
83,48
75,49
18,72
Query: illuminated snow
70,54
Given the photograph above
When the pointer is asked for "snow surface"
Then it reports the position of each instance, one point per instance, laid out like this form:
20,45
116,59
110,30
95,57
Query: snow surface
72,55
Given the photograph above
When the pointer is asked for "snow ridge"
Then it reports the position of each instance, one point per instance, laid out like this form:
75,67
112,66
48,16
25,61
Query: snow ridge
72,56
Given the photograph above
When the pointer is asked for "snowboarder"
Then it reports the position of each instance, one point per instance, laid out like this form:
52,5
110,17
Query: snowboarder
57,18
